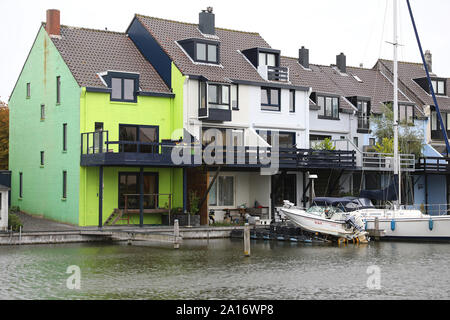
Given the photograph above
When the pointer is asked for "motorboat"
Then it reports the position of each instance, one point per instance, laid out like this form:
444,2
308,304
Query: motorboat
328,216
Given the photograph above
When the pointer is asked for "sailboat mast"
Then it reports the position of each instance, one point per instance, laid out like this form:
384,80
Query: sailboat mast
395,107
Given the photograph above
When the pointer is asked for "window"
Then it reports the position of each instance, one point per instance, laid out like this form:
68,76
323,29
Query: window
267,59
438,86
28,90
371,141
285,139
42,111
291,100
58,90
123,90
64,185
65,137
329,107
270,99
356,141
201,50
207,52
20,185
202,95
363,114
235,96
129,186
42,158
222,192
406,114
219,96
235,137
136,135
434,121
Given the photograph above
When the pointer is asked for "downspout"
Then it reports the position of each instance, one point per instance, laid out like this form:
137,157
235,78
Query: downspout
83,96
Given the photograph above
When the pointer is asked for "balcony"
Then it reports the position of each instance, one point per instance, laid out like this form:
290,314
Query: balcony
286,158
98,150
363,124
274,73
438,135
438,165
374,161
212,114
385,162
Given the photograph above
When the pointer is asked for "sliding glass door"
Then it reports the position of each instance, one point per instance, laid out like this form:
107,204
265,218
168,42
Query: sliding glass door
129,184
135,135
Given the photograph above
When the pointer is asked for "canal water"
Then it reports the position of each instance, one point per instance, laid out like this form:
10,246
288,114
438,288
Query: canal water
217,269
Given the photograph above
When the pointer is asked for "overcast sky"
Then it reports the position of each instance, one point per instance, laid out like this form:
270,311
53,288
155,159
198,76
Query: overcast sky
358,28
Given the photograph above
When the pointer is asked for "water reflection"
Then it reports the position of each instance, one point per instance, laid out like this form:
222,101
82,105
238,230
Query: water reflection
218,270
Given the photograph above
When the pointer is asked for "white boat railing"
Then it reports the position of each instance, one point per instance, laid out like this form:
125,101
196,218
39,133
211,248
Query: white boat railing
431,209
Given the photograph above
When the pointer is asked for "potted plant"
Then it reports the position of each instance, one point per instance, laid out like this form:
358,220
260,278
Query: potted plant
194,202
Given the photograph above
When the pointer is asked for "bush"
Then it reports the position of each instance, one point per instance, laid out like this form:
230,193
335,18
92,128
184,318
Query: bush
14,209
14,222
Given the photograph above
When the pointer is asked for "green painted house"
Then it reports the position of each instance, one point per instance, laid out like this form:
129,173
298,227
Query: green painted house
91,125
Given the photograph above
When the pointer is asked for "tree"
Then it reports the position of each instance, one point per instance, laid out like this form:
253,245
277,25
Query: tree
4,135
410,140
326,144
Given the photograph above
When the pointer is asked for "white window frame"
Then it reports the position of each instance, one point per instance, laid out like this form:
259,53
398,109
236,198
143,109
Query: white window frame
218,206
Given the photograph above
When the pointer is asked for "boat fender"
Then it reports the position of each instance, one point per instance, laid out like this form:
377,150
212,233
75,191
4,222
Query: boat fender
393,225
430,224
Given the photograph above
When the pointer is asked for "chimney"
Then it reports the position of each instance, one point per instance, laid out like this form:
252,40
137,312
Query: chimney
428,60
206,22
341,62
53,26
303,57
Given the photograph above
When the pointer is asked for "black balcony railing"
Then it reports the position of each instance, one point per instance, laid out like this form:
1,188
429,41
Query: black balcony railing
277,73
214,114
433,165
96,149
363,123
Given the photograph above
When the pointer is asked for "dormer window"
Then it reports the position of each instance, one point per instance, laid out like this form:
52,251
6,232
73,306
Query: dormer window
124,86
200,50
438,86
267,59
263,57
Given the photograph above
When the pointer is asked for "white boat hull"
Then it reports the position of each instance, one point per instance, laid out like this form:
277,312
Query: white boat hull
314,223
411,227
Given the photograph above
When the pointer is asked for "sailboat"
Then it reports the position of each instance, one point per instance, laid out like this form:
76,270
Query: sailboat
398,222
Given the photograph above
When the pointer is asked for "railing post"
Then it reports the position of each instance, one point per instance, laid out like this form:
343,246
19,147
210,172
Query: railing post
176,234
247,240
82,138
100,142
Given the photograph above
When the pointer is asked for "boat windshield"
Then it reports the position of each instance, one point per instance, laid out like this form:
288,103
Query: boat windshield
328,210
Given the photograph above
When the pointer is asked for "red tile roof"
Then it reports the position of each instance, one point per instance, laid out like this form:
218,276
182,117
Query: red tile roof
88,52
233,64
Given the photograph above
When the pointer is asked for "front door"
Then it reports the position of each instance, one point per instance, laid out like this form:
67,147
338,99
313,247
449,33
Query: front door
284,187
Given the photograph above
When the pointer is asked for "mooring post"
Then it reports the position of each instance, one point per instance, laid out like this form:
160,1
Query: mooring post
176,234
377,229
247,240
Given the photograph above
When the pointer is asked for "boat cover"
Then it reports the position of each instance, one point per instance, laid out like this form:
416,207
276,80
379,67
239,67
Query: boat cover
387,194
